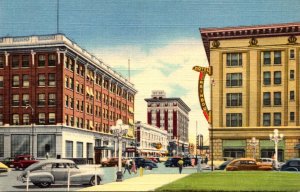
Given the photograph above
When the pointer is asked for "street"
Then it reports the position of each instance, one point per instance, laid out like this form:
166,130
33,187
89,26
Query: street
9,181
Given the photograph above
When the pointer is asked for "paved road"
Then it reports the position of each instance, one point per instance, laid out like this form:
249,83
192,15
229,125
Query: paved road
9,181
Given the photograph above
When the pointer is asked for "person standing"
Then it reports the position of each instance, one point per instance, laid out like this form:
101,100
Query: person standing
127,166
180,165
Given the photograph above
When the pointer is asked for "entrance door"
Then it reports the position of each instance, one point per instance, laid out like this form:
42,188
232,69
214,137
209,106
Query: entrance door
98,156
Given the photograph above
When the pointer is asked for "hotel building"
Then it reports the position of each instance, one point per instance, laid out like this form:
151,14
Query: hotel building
56,97
171,114
256,89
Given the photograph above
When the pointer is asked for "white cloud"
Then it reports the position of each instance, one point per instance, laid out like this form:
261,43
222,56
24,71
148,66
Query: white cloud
149,68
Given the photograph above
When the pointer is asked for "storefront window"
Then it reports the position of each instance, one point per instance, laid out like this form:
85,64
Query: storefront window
20,144
46,144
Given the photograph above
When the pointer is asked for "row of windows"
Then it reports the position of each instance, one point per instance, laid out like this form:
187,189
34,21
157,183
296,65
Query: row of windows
24,60
267,78
25,81
25,119
41,99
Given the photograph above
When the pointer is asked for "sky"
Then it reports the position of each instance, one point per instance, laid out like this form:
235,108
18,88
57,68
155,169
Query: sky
160,37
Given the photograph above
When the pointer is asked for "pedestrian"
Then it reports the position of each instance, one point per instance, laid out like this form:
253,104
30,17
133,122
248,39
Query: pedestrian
133,167
127,166
206,160
180,165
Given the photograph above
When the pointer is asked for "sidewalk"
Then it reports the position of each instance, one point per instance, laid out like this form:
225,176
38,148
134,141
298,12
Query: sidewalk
145,183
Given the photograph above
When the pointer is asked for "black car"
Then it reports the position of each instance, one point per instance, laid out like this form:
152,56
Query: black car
291,165
145,163
173,162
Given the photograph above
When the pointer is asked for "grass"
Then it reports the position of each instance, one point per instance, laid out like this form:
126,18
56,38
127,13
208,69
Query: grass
236,181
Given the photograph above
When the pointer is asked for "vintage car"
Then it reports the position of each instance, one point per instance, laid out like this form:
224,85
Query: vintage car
112,162
4,168
8,161
291,165
23,161
55,171
247,164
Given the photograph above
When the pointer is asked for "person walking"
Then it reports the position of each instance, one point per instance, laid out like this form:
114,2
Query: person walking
206,160
180,165
133,167
127,166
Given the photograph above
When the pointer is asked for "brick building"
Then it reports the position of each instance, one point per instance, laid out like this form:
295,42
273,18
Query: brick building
171,114
72,99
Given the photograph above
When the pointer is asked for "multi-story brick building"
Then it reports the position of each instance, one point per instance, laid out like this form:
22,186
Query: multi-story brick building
72,99
256,88
170,114
153,141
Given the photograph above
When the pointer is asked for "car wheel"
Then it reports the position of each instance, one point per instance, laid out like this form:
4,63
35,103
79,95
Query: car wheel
44,184
148,167
92,181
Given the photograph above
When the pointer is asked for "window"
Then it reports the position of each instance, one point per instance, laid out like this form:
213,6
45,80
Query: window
77,87
41,60
267,98
16,119
67,100
71,120
292,54
234,99
25,119
67,82
25,99
41,80
277,77
267,57
52,60
67,119
292,116
71,83
69,149
277,57
25,61
44,140
16,81
1,62
51,118
233,119
79,149
277,98
1,100
25,79
41,99
82,106
51,99
51,79
1,81
77,105
71,102
20,144
1,119
292,74
234,79
234,59
266,119
15,61
292,95
267,78
277,119
15,100
42,118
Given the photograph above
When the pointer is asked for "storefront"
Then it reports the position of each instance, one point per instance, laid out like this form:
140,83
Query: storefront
234,148
267,149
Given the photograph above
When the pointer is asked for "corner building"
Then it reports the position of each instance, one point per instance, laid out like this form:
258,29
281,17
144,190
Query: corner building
256,89
75,98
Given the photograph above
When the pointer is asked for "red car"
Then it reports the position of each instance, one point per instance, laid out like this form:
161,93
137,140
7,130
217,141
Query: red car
23,161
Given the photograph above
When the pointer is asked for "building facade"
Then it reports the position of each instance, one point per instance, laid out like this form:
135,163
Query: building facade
171,114
256,77
55,97
153,141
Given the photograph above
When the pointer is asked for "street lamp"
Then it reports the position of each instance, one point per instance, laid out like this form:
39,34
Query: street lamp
118,131
32,117
276,138
253,143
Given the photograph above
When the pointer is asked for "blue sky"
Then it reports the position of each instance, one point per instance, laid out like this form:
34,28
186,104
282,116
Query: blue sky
160,37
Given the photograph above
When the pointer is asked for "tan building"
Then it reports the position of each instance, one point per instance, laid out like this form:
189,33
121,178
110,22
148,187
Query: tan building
256,85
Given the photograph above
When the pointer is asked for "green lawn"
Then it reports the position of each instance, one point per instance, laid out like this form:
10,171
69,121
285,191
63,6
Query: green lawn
236,181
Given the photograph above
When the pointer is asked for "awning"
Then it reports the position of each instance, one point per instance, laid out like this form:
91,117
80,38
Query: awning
267,144
130,109
87,90
91,92
91,124
234,144
297,146
103,148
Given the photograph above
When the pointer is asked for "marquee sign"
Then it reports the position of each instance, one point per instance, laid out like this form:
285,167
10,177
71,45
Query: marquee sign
202,72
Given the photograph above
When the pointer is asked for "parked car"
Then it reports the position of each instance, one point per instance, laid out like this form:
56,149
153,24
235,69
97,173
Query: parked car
23,161
55,171
223,165
266,161
145,163
247,164
173,161
8,161
112,162
4,168
291,165
154,159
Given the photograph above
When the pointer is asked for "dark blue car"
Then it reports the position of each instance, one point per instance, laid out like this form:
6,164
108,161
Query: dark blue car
291,165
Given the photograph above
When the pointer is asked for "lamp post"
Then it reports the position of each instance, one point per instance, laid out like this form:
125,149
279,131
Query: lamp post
118,131
32,124
253,143
276,137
